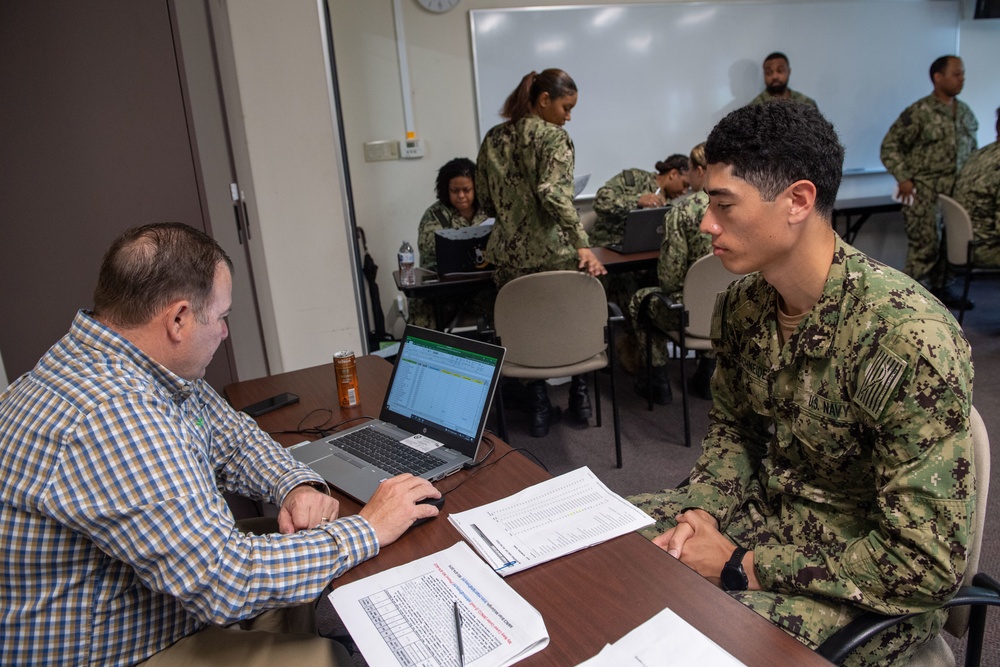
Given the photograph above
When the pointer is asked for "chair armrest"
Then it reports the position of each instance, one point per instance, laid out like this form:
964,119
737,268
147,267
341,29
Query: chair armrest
984,591
647,301
670,304
486,331
615,313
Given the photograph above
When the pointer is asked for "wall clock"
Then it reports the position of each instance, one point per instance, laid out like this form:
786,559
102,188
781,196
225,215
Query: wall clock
438,6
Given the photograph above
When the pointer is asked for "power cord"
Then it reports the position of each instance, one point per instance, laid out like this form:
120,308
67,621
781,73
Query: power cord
321,430
479,467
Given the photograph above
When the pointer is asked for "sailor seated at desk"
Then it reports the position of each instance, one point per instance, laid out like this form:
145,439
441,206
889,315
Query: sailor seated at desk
683,245
624,192
456,207
837,473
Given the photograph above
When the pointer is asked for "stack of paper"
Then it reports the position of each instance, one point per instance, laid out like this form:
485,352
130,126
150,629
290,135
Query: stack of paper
548,520
408,615
666,639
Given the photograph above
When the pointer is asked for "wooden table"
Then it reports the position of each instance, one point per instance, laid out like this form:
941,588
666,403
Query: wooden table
430,285
589,598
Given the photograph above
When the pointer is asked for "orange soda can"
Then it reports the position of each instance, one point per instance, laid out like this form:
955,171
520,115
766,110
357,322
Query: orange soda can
347,378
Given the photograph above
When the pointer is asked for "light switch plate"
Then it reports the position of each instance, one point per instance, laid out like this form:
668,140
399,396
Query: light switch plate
376,151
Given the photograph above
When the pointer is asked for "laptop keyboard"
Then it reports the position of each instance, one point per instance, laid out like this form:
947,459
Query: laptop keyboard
387,453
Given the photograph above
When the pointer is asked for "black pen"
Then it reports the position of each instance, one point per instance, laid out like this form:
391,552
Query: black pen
458,633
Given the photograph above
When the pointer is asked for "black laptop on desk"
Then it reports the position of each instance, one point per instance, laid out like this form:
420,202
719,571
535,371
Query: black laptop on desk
643,231
462,250
432,419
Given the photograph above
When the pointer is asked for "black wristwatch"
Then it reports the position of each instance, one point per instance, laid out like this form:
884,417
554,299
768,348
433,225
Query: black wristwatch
734,577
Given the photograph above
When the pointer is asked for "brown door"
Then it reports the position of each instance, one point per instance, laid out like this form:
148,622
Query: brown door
94,138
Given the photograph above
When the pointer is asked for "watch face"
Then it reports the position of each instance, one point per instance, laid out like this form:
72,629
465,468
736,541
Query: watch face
438,6
734,578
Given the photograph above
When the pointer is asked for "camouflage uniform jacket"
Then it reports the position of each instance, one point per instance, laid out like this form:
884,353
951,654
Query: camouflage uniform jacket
440,216
929,142
615,199
766,97
524,178
683,244
867,483
978,190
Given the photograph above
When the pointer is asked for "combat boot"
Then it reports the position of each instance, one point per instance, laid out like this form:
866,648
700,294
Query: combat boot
541,413
662,394
579,399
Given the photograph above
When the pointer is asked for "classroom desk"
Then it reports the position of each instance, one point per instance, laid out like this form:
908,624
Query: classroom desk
863,208
589,598
431,285
616,262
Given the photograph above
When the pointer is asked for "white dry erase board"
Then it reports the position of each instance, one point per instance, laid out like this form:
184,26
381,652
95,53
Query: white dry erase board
655,78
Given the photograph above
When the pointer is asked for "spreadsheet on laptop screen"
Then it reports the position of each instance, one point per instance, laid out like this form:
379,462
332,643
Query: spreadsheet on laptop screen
441,385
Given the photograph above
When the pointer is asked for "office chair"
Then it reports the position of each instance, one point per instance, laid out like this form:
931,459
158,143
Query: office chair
961,244
554,324
966,611
703,281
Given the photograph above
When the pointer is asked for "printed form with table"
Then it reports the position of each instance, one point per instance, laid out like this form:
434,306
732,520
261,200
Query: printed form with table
454,607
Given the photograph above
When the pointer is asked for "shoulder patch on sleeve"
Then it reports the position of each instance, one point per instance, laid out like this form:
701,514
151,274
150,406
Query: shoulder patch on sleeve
629,178
878,380
717,314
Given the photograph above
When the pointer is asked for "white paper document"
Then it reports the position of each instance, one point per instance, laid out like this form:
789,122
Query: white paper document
548,520
407,615
662,641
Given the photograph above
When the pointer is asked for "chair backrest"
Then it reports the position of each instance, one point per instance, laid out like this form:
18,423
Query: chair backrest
554,318
957,229
588,220
958,617
703,281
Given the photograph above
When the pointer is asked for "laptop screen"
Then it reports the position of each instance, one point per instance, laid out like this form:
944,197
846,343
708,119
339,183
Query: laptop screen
442,385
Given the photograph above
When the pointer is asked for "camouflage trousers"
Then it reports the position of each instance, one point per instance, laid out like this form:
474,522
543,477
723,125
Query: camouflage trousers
811,620
988,254
620,287
924,253
662,319
423,313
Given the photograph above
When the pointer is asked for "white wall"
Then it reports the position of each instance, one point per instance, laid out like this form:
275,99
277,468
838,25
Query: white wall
391,196
979,45
284,89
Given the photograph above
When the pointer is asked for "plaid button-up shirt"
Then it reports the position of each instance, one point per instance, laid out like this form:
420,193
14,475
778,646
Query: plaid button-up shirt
115,540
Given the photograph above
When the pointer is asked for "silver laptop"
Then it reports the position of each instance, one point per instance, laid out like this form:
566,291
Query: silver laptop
431,422
643,231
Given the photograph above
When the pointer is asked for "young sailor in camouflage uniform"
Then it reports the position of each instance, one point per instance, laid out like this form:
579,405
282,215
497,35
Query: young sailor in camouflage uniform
632,189
776,72
683,244
524,178
838,454
924,150
978,190
624,192
456,207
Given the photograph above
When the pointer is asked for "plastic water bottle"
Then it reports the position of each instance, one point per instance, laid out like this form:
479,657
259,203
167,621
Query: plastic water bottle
407,274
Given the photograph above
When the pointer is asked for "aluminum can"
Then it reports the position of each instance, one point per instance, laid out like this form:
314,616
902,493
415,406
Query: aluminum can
347,378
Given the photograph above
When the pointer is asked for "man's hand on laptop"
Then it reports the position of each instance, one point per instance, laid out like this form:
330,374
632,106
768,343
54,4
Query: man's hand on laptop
306,507
393,507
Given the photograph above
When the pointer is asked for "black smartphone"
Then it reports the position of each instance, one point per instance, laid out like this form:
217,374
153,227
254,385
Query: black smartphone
263,407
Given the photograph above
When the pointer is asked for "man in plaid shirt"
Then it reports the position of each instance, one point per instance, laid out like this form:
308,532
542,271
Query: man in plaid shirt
117,546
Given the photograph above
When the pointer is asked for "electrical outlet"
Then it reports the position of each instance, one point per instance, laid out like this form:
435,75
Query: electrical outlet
412,148
376,151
